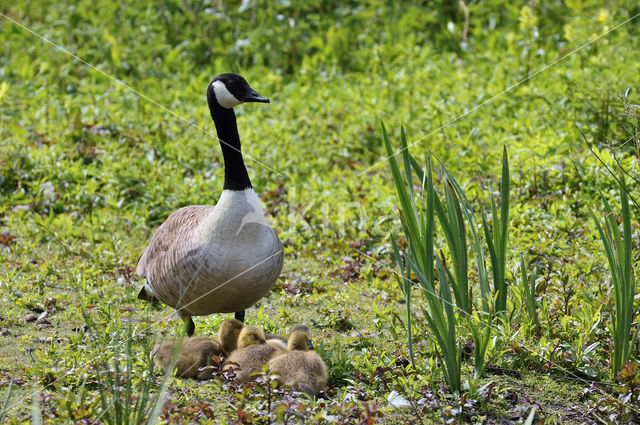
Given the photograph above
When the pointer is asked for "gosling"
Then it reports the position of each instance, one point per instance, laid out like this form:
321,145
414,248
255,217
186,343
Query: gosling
299,368
273,338
228,334
253,352
194,353
198,352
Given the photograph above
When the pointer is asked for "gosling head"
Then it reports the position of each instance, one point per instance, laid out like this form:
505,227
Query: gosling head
229,90
229,332
251,335
300,339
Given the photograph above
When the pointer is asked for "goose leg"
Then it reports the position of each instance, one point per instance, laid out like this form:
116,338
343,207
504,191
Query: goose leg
189,326
240,316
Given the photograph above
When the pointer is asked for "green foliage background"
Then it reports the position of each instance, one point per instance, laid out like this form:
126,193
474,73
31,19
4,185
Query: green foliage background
88,168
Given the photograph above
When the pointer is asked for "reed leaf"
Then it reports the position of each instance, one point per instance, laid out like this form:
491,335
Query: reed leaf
498,237
481,332
405,285
528,287
406,202
452,225
618,250
452,355
480,322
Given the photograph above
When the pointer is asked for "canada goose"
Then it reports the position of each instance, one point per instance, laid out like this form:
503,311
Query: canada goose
301,369
253,352
197,352
208,259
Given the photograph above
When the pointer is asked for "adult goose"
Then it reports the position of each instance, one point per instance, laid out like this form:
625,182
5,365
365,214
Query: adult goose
208,259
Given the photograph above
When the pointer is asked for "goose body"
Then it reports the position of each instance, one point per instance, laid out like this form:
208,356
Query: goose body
208,259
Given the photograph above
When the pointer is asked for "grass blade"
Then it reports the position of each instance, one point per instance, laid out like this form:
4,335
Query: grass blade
528,286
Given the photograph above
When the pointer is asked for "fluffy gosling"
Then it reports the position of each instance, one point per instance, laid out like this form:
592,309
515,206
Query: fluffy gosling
198,352
228,334
253,352
273,338
299,368
195,352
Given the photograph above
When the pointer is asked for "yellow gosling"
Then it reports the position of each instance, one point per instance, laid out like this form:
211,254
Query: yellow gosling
253,352
228,334
198,352
300,368
195,352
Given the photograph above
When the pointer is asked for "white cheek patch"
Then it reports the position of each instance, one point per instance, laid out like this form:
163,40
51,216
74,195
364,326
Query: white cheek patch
224,96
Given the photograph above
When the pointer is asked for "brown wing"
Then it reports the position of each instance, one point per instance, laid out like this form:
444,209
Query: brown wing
175,230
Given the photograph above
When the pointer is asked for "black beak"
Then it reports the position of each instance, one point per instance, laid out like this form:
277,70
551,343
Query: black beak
262,341
253,96
310,344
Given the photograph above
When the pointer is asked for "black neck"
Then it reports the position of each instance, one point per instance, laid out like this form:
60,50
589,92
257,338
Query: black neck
235,173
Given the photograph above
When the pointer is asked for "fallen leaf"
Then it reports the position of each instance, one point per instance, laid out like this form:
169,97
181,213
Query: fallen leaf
6,239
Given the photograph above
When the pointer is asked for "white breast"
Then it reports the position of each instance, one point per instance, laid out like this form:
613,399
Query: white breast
238,217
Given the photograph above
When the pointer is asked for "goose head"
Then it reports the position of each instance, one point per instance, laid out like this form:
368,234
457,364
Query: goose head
229,90
251,335
300,339
229,332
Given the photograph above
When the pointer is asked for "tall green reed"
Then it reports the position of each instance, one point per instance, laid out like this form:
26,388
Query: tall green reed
418,221
618,249
497,239
405,285
480,321
452,224
418,212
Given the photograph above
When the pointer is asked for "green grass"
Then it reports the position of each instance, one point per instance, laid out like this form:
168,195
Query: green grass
89,169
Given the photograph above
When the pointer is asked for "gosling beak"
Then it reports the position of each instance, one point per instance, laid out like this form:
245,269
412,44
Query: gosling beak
310,344
252,96
263,341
